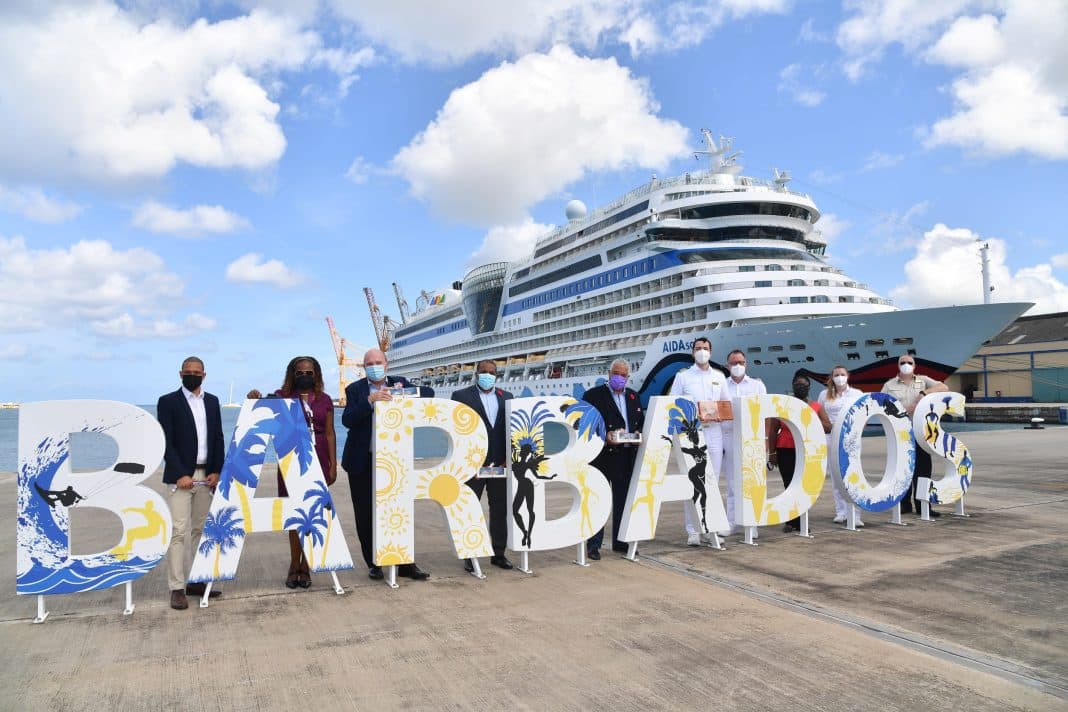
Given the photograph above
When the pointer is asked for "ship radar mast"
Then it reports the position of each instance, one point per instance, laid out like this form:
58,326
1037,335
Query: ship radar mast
720,157
984,259
782,178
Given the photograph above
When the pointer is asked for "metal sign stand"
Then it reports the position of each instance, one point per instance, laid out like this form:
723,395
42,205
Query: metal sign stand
959,512
580,554
851,518
337,584
895,516
129,599
391,577
524,562
632,552
476,569
750,536
206,595
804,532
42,612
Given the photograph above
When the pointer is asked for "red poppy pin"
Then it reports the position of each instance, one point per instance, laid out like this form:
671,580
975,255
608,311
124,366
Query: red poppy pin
632,396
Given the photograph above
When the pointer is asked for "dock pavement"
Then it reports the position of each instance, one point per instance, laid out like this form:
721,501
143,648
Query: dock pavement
949,614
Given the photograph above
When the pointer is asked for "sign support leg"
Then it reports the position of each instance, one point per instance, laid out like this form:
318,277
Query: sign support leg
960,508
524,562
580,554
750,536
391,577
337,584
804,532
476,569
895,516
42,612
206,595
632,551
129,609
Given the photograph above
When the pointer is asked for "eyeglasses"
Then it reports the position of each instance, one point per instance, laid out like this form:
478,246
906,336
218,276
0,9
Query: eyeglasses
304,373
911,363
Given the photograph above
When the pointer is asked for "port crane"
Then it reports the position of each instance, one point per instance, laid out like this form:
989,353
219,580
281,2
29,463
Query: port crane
349,369
384,326
402,304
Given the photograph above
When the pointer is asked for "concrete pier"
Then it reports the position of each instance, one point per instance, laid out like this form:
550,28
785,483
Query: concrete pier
953,614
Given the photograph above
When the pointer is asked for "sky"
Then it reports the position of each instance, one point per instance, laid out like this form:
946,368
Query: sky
216,178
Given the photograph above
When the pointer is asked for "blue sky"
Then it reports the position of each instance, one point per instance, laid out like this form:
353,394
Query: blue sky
216,178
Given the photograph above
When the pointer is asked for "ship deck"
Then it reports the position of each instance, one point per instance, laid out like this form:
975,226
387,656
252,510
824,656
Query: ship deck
954,614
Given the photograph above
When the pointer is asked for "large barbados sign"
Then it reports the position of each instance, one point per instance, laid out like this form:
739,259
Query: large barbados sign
48,488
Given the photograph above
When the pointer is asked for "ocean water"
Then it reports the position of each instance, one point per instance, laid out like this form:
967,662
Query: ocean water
96,452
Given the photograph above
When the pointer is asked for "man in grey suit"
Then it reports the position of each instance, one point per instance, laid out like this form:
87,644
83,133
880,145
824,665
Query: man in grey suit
488,401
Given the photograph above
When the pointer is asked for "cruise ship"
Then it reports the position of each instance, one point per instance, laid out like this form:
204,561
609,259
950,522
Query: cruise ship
710,253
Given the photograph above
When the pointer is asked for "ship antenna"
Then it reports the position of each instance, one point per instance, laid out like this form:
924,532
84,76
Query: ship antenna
720,158
984,260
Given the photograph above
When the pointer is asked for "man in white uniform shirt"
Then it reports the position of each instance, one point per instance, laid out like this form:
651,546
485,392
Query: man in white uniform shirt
701,382
739,384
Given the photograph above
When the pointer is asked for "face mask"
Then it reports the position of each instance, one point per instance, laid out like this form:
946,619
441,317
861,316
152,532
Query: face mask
486,381
192,383
738,370
801,390
840,381
304,383
906,369
617,382
702,356
375,373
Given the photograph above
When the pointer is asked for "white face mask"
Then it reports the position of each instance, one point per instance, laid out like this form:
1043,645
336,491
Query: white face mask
738,370
840,381
906,369
702,356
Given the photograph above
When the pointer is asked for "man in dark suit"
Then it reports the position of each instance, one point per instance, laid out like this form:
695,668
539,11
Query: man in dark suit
192,425
488,401
621,410
360,399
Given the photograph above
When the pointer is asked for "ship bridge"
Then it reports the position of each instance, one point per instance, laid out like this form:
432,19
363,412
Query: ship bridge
483,288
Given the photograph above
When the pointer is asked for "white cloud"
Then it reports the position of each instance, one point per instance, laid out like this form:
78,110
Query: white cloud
878,160
360,170
831,226
125,326
1060,261
793,83
13,352
191,222
91,281
809,33
254,269
938,274
1011,90
33,204
527,129
146,95
508,243
452,32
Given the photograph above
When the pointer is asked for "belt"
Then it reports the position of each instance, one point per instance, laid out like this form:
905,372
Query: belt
200,467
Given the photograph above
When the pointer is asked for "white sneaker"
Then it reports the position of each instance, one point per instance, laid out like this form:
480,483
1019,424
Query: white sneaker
858,524
724,533
839,520
708,538
693,539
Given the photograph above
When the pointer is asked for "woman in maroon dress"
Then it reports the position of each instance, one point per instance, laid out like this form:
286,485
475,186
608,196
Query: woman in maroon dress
304,380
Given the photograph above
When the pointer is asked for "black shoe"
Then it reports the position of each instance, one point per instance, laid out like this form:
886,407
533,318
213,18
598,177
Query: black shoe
413,572
468,566
934,515
375,573
620,549
501,562
197,589
594,554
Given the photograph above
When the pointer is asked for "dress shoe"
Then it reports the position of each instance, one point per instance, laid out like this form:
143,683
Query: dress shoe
197,589
501,562
934,514
178,600
594,554
468,566
413,572
620,549
375,573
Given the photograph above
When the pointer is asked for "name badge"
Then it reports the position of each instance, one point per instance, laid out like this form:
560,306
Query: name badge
403,391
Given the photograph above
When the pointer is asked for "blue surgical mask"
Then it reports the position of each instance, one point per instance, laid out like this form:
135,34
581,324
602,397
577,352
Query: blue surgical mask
375,373
486,381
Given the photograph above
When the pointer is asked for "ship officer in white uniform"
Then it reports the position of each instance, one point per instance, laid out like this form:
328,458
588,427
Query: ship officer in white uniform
739,384
702,382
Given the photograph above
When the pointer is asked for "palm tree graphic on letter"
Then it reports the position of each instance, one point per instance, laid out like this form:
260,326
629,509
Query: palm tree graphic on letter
322,506
221,532
307,526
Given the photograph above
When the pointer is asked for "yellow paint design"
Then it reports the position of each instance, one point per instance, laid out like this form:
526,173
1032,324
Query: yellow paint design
392,555
444,489
246,509
813,475
585,522
465,420
276,515
155,525
754,415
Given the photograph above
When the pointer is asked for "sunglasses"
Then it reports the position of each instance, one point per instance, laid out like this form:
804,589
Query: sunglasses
911,363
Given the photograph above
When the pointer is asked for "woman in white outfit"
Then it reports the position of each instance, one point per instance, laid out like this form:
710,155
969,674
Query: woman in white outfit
838,396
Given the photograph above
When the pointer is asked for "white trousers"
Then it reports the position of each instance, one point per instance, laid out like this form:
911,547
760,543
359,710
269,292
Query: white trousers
714,445
842,502
189,509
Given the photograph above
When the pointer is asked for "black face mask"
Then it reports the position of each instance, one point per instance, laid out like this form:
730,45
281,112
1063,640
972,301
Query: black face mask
192,383
801,391
304,383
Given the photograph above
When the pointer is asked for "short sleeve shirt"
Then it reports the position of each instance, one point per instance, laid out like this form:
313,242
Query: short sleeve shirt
908,393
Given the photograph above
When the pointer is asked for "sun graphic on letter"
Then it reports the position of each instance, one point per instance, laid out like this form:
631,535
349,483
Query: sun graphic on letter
395,521
392,555
474,457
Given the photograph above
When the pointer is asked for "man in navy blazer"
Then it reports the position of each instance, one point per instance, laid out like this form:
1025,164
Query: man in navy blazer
622,410
488,401
192,426
360,399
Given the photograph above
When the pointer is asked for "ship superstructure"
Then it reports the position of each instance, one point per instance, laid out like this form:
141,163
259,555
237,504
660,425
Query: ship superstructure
710,253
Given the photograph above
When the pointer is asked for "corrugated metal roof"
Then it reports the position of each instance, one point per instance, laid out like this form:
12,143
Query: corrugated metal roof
1033,330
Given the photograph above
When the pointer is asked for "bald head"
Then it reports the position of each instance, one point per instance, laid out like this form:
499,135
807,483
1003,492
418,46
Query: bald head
374,357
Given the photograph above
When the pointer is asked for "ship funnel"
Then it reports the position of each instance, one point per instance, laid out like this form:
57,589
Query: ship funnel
483,288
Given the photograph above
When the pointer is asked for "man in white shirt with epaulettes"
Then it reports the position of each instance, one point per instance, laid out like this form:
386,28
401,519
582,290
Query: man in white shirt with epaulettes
739,384
701,382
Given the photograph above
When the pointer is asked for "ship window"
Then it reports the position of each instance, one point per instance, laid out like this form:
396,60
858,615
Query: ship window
723,210
874,342
882,354
753,349
795,283
784,359
756,362
764,283
820,299
774,348
773,268
903,341
853,356
556,275
799,300
747,268
847,344
797,347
